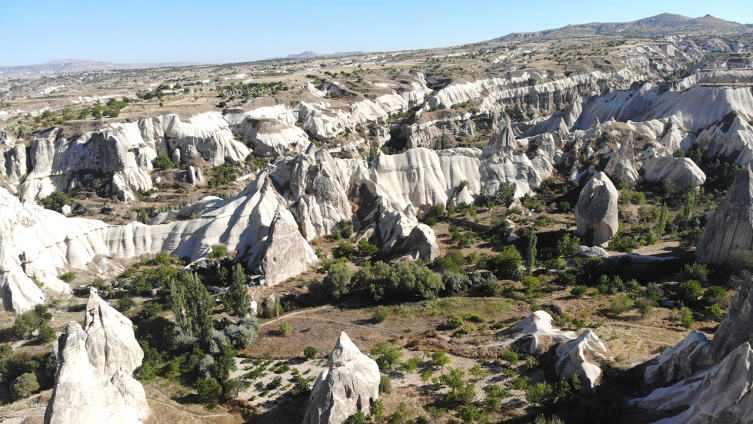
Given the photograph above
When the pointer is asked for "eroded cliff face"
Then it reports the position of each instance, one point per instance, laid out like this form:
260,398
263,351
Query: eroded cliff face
93,382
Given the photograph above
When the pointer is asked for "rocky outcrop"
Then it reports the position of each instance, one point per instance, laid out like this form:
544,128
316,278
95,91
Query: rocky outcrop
621,166
269,137
538,333
93,381
350,385
462,196
731,226
579,357
591,252
421,243
596,210
38,242
682,171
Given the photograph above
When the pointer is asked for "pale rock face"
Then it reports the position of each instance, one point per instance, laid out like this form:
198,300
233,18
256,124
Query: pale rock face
421,243
93,382
540,325
596,210
315,191
13,162
679,361
574,358
622,163
682,171
731,226
287,253
731,136
350,385
462,196
591,252
268,136
207,135
110,343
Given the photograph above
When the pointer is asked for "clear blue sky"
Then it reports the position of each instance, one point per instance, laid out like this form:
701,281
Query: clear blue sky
37,31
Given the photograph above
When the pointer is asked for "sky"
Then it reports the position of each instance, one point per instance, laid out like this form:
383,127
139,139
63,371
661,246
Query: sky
138,31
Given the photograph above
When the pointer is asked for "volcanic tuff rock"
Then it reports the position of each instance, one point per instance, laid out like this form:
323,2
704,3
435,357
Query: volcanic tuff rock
93,381
350,385
682,171
596,210
715,375
621,165
731,226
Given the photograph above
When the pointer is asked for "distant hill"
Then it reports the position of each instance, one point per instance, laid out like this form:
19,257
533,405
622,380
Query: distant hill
79,65
309,53
665,23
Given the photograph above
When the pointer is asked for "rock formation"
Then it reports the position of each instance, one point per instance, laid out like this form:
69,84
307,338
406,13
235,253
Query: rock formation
731,226
621,165
350,385
682,171
93,382
596,211
714,376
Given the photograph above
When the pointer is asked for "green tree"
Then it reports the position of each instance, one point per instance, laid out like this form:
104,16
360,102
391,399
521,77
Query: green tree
687,206
310,352
55,201
285,329
689,291
207,389
126,303
337,281
24,386
439,359
507,264
163,162
238,292
199,306
387,356
29,321
620,304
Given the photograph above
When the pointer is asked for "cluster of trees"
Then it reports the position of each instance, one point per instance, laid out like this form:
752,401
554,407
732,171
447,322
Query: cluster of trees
55,201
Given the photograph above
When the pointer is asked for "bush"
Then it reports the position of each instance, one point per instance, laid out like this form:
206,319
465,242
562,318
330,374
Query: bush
538,393
163,162
715,312
207,389
695,271
380,314
345,250
401,280
68,277
125,304
222,175
337,282
645,306
24,386
218,252
46,334
385,385
455,282
467,329
386,356
493,288
163,258
367,249
29,321
579,291
285,329
507,264
620,305
689,291
530,282
310,352
738,265
686,317
510,357
715,295
455,322
55,201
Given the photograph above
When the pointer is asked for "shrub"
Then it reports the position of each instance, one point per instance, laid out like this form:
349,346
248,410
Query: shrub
163,162
345,250
24,386
46,334
222,175
380,314
689,291
510,357
455,282
367,249
55,201
530,282
579,291
538,393
285,329
468,329
68,277
738,265
493,288
455,322
715,312
310,352
218,252
207,388
715,295
645,306
695,271
163,258
507,264
494,404
337,282
620,305
386,356
439,358
404,280
25,324
385,385
686,317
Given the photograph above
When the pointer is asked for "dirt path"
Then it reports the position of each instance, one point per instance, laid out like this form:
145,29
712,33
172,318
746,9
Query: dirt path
183,411
305,311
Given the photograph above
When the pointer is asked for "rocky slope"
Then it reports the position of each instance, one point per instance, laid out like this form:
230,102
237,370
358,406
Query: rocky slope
93,381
